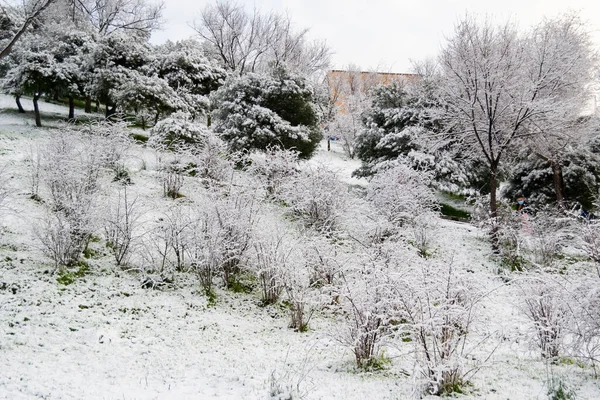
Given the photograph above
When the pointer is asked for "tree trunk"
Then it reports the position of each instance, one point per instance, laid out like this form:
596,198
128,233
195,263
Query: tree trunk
36,110
559,183
88,105
55,96
494,207
97,106
156,117
110,111
19,105
71,108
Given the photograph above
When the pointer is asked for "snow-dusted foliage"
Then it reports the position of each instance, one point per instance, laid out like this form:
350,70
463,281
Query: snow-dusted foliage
402,194
236,216
584,325
213,162
121,220
186,69
273,167
545,302
145,96
71,172
178,131
316,196
533,178
271,256
261,111
367,299
115,59
439,303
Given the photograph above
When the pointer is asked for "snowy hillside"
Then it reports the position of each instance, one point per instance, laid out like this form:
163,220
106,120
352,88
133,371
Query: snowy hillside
102,331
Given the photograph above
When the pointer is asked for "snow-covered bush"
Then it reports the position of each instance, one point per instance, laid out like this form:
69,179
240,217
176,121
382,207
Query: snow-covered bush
213,162
316,196
171,178
270,263
236,216
545,302
322,258
120,223
255,111
71,171
273,167
176,132
585,325
3,187
367,302
204,248
402,194
438,305
299,293
591,242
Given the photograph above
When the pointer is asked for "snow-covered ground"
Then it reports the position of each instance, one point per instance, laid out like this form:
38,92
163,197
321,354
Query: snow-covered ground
105,337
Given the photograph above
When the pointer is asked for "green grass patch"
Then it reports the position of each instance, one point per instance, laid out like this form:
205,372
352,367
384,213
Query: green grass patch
450,211
138,137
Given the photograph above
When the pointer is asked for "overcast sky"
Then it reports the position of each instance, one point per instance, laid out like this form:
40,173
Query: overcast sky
384,34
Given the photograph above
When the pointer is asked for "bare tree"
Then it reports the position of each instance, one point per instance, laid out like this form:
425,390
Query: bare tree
250,42
30,12
561,49
107,16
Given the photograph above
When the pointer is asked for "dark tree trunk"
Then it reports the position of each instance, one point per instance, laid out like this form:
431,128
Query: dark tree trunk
328,143
559,183
55,96
36,110
110,111
156,117
88,105
19,105
71,108
494,207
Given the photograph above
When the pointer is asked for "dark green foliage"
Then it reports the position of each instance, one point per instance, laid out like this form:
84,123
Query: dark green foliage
449,211
68,276
533,178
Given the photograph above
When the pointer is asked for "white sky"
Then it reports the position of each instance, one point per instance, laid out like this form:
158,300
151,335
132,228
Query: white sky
384,34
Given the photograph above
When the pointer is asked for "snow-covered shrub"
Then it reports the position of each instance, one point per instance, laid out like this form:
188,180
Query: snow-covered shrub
299,293
3,187
322,258
176,132
585,325
120,223
316,196
204,248
236,215
591,242
35,170
545,302
255,111
213,163
111,140
402,194
437,304
270,264
367,299
273,167
71,171
170,175
511,228
551,232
